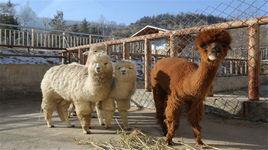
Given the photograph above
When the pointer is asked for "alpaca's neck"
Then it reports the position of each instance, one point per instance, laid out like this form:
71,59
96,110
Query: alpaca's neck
203,78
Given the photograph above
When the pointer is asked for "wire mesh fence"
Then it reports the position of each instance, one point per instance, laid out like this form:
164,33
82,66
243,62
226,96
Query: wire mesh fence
240,87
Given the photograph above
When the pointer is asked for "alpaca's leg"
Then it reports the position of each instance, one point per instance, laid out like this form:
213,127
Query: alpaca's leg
48,107
62,109
123,105
108,117
71,110
84,110
124,118
99,113
195,114
108,107
48,117
172,112
160,99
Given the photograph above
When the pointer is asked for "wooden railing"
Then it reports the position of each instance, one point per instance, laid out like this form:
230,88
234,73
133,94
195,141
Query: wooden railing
19,36
177,42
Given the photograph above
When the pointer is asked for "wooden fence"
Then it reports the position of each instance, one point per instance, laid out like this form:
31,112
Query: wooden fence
179,39
26,37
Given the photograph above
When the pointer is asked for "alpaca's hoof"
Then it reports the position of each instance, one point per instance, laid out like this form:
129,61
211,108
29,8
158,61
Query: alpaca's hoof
73,114
169,142
164,131
127,129
200,144
86,132
107,127
50,126
71,126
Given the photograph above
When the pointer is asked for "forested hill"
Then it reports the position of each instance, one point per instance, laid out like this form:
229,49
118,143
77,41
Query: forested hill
169,21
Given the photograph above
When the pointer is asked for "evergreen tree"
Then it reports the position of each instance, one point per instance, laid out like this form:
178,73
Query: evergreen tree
7,15
84,26
74,28
58,23
27,17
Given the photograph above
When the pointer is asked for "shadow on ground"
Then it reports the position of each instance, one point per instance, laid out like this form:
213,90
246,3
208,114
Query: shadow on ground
22,127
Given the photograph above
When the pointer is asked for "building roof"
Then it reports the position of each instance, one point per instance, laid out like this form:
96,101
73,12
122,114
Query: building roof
149,30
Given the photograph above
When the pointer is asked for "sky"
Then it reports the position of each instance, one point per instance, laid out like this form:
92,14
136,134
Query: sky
120,11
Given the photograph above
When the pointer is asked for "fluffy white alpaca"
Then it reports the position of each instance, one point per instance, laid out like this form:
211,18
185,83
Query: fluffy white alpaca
124,86
82,85
94,50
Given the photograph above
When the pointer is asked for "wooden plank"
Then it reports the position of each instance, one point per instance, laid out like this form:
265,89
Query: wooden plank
125,51
253,62
147,65
192,30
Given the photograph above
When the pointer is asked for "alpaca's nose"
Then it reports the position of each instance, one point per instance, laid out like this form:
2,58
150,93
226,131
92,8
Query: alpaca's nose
216,48
123,71
98,68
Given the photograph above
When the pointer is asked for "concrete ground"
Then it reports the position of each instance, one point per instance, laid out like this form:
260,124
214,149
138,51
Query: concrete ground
22,127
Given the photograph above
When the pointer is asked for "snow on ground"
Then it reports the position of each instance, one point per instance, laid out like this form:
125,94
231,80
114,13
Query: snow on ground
27,60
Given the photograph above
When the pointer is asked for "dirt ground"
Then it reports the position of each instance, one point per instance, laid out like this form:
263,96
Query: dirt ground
22,127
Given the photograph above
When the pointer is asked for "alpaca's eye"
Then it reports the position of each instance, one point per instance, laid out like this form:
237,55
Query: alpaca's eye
119,68
105,63
95,51
204,46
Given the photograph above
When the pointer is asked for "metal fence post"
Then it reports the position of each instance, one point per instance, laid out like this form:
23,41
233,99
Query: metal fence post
253,62
147,64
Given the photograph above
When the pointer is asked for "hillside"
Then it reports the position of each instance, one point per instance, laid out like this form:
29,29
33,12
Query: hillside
168,21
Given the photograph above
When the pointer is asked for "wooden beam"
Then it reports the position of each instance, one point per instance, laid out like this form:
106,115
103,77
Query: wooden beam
192,30
147,65
125,51
253,62
80,56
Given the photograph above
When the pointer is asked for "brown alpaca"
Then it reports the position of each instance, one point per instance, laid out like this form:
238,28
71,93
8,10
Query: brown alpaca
175,82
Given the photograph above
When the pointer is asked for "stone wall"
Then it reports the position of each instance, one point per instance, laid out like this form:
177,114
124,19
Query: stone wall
21,78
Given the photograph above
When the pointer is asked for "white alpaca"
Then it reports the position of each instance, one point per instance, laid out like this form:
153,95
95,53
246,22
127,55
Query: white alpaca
82,85
124,86
94,50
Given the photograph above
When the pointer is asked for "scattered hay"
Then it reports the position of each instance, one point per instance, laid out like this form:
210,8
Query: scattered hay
134,140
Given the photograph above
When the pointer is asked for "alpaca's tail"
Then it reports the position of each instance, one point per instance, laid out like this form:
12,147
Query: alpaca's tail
160,99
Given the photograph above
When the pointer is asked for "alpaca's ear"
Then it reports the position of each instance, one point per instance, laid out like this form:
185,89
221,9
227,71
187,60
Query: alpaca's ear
86,53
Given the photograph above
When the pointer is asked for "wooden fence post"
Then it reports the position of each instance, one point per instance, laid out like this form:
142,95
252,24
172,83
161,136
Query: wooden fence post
80,56
32,44
63,40
125,51
63,57
147,64
172,45
253,62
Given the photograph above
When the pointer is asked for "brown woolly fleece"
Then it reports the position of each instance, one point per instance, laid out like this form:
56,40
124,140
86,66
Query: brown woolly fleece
175,82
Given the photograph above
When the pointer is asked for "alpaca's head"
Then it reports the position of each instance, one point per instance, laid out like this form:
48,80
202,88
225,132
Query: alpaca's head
125,71
95,49
213,45
100,64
